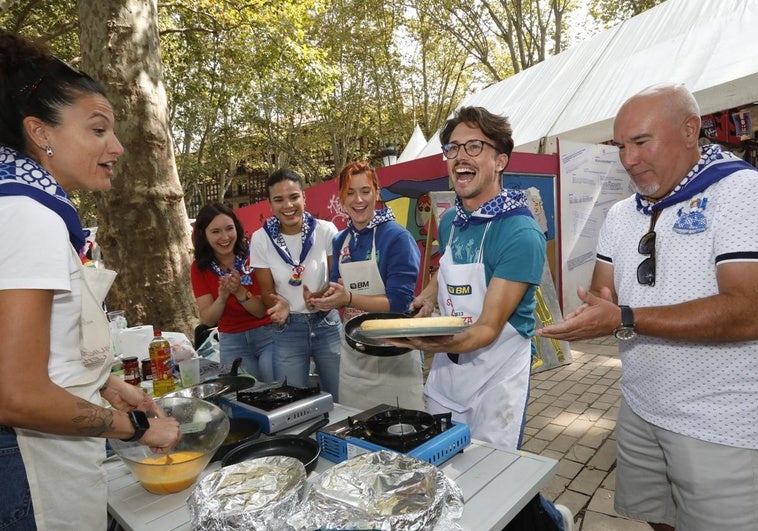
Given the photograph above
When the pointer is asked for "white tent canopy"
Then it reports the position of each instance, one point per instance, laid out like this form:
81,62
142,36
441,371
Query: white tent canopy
414,145
709,45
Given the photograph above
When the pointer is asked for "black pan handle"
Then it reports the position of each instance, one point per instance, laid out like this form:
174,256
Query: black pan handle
314,427
235,367
412,311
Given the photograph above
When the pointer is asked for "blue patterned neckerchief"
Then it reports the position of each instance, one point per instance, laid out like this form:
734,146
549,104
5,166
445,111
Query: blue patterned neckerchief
21,175
380,216
714,165
240,264
272,228
507,203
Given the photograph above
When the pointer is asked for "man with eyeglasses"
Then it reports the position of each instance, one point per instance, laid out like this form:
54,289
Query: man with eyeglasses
493,253
676,279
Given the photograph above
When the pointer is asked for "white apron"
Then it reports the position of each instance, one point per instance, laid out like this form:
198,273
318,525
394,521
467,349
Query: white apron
487,389
66,478
367,381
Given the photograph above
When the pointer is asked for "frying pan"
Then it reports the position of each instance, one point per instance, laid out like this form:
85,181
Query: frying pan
299,446
233,381
371,346
241,431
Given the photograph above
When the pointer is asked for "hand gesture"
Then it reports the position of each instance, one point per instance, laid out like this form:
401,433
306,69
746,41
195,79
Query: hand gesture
308,297
163,434
335,296
424,306
597,316
280,311
225,286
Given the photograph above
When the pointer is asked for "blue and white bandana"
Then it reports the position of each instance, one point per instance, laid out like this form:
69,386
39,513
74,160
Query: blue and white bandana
241,265
21,175
380,216
714,165
507,203
272,227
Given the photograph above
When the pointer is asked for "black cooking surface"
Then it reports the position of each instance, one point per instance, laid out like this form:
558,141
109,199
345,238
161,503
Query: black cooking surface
398,429
276,397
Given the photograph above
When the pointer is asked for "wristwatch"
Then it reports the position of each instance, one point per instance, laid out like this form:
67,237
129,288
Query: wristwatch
140,423
626,330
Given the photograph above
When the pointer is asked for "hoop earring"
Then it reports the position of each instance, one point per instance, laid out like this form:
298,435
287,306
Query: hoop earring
48,150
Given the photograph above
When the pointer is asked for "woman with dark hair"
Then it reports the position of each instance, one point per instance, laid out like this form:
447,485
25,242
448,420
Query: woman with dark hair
56,136
375,263
292,254
225,293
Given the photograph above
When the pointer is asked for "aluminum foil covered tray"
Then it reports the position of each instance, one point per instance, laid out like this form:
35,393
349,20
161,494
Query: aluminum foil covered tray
257,494
382,490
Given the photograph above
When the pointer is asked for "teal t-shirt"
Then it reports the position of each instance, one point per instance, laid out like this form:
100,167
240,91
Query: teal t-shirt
514,249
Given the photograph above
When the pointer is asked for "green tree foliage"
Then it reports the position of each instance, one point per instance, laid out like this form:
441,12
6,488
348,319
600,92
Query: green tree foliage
312,84
608,13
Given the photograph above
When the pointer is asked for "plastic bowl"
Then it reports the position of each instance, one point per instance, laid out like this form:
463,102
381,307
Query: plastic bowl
204,428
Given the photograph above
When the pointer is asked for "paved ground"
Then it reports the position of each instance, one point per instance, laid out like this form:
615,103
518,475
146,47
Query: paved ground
572,418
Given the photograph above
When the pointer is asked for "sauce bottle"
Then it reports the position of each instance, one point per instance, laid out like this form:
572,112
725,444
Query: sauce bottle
147,370
160,363
131,370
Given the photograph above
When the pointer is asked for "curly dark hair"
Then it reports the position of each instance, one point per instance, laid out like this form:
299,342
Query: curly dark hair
203,251
496,127
33,82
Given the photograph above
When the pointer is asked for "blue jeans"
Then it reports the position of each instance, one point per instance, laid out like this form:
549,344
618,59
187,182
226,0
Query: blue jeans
305,335
255,347
16,510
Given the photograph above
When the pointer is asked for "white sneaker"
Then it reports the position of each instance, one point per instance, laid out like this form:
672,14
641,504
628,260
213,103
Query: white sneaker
568,518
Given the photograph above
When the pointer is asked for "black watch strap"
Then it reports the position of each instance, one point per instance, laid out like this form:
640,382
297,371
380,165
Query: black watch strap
627,317
141,424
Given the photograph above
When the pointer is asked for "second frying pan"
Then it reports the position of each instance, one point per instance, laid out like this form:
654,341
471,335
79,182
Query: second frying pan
299,446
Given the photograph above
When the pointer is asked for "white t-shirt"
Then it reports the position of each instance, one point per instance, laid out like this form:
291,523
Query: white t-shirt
703,390
36,254
263,254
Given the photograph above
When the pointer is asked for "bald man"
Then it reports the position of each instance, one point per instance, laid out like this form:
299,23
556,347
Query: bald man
676,281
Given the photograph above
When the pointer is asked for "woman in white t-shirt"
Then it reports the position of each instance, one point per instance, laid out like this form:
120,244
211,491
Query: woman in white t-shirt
291,255
56,136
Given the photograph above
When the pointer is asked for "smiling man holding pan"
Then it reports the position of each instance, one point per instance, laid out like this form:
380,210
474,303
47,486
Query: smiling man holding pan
493,255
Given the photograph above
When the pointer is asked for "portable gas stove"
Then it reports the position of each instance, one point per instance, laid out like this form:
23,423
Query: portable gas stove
432,438
278,407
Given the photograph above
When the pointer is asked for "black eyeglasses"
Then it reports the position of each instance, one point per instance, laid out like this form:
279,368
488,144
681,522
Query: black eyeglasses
472,147
646,269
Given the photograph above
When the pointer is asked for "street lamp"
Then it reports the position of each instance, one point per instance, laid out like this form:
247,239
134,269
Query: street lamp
389,155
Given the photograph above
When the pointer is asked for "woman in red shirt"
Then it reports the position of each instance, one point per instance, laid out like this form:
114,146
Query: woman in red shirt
226,294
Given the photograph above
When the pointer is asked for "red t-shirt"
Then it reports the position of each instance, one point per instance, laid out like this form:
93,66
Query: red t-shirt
235,318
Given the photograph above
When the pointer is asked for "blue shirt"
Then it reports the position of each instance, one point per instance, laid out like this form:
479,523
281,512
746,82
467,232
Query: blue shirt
514,249
397,256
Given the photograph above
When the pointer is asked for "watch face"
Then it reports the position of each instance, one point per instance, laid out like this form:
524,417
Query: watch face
625,333
141,419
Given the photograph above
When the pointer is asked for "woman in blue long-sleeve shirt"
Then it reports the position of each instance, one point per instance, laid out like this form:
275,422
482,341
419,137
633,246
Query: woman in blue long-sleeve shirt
374,269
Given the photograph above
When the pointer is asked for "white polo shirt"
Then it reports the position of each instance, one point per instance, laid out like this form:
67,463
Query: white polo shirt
708,391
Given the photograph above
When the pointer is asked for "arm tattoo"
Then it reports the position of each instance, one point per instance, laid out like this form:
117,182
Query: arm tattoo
94,420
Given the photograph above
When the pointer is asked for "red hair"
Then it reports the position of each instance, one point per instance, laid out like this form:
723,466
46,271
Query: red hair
356,168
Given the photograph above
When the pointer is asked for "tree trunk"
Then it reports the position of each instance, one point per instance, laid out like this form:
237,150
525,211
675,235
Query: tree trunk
143,228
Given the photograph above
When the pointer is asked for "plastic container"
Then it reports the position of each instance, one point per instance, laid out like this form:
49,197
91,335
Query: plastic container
204,427
161,365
